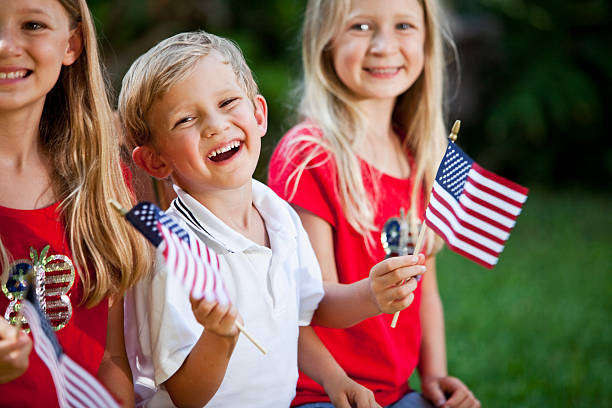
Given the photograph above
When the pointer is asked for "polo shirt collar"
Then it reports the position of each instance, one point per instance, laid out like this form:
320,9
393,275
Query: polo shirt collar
277,219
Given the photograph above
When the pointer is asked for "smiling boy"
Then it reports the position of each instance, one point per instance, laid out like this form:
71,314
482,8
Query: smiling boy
191,111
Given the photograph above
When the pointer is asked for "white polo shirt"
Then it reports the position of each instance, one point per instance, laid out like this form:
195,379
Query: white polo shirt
275,290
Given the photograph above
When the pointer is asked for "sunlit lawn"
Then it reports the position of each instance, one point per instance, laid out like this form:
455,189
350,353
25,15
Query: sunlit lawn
536,331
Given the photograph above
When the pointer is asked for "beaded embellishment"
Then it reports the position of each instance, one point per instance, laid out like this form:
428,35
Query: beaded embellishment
53,276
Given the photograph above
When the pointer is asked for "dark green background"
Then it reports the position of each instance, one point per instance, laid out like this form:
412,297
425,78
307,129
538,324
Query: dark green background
533,90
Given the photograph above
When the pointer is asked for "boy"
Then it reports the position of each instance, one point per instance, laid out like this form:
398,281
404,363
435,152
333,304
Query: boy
191,111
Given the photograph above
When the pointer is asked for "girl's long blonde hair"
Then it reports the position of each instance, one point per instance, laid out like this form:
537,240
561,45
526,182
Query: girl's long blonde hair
418,112
78,131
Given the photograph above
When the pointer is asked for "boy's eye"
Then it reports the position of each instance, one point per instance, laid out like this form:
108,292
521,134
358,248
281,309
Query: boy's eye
34,26
183,120
360,27
227,102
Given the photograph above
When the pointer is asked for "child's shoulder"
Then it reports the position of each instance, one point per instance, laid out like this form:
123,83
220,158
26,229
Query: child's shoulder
304,142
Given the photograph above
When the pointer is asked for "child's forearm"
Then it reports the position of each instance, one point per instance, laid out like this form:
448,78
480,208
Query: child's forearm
114,371
314,359
200,376
345,305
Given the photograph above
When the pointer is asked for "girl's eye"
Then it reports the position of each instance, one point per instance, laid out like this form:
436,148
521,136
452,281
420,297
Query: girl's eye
360,27
34,26
404,26
227,102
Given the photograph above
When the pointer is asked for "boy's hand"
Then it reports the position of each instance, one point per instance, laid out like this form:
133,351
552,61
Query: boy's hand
346,393
14,352
435,388
392,281
215,317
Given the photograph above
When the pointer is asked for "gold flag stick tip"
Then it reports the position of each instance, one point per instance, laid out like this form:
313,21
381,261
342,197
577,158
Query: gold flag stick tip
455,131
118,207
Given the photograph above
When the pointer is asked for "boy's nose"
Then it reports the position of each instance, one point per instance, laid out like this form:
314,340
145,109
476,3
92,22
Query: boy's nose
215,126
383,42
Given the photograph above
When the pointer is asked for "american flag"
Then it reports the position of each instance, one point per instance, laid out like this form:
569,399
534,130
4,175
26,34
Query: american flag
74,386
473,209
192,262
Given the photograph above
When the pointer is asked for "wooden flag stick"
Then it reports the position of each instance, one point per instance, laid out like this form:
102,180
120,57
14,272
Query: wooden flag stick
240,327
248,336
417,249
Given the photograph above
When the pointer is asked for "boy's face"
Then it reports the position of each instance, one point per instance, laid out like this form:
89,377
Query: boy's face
206,131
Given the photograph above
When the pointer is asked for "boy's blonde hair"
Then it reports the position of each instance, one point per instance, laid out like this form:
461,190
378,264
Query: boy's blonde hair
418,112
78,131
167,63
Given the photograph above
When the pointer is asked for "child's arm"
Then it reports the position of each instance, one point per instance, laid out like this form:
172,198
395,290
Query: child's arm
15,347
435,381
114,371
317,362
345,305
198,379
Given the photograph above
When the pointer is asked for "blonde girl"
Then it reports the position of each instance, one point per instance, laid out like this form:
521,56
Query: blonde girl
59,164
366,150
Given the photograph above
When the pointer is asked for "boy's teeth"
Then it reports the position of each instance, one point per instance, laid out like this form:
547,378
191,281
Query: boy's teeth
225,148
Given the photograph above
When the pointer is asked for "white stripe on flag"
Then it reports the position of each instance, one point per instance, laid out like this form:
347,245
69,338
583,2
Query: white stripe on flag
494,185
457,227
461,214
88,384
491,199
487,212
453,240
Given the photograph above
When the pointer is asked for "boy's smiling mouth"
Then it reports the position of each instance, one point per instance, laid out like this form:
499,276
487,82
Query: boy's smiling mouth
225,152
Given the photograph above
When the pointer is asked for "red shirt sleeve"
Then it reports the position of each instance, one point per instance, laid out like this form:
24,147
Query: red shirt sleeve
316,185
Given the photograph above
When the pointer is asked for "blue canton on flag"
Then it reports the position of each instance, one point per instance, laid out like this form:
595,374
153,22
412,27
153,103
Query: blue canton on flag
453,170
145,216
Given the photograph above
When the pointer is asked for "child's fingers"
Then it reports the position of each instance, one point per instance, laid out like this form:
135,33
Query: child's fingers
398,276
397,297
390,264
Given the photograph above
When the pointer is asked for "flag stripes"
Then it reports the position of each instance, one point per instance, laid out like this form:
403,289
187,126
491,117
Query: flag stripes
74,386
473,209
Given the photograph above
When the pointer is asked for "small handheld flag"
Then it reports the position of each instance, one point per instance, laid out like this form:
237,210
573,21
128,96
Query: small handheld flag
188,259
74,386
473,209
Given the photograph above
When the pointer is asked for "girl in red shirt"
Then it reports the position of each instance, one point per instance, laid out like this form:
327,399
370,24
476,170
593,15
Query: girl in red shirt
59,165
367,149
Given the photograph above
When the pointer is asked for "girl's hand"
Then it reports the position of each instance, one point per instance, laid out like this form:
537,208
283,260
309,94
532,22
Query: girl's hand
393,280
216,318
14,352
346,393
435,388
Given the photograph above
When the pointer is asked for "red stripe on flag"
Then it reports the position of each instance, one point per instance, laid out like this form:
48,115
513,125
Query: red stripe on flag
458,250
462,237
494,193
469,225
499,179
488,205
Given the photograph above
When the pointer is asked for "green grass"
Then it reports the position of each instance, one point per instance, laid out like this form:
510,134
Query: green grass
536,331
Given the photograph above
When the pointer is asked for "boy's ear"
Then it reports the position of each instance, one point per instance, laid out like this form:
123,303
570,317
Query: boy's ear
261,114
147,158
75,46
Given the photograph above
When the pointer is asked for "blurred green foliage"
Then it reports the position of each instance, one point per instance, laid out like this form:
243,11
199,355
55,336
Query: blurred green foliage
532,94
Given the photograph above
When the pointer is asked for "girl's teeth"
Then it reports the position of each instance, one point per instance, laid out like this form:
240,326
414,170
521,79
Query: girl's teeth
12,75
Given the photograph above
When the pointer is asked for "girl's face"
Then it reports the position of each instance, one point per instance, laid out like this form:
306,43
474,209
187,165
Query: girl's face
378,54
35,41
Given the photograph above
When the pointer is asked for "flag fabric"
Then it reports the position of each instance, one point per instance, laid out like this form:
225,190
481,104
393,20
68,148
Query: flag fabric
473,209
192,262
74,386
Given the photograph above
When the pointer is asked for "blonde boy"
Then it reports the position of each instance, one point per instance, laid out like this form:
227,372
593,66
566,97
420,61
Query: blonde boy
191,110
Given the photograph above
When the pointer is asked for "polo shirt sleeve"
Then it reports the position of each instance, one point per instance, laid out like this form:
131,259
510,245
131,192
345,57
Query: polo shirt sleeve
172,327
310,285
316,185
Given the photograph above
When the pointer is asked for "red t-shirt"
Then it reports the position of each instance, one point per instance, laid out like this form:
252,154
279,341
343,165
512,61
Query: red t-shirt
372,353
81,331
